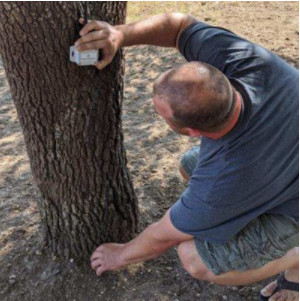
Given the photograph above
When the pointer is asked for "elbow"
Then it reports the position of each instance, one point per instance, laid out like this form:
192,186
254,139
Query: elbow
160,242
178,17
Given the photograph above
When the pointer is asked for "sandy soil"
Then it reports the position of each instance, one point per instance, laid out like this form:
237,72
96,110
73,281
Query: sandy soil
153,150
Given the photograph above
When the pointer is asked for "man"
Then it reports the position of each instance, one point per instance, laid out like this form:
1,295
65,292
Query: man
236,223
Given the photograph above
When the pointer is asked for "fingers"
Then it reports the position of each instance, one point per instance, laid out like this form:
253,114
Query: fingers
95,264
96,255
92,36
97,40
98,267
92,25
99,35
98,44
102,64
81,20
100,271
107,258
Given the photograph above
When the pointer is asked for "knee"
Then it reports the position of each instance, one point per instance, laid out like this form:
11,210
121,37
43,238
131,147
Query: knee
194,266
294,252
183,173
185,258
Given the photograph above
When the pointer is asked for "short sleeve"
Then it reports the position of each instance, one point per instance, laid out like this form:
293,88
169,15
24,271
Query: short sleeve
221,48
198,219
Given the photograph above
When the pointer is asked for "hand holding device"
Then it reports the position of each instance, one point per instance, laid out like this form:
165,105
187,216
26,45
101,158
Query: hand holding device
99,35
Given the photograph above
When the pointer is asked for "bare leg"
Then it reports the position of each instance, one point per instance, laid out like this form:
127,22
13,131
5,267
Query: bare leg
194,265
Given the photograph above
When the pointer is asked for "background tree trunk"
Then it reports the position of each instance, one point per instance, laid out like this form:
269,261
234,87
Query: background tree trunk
70,118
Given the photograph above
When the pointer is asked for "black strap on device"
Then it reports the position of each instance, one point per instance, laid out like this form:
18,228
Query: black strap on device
86,12
79,26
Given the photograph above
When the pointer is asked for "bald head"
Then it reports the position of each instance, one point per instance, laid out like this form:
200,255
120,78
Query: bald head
199,96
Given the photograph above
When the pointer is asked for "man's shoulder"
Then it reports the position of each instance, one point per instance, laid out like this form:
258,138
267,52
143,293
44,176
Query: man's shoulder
200,32
216,46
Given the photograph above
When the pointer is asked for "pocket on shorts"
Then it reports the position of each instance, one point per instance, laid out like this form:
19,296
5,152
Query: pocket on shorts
254,245
282,231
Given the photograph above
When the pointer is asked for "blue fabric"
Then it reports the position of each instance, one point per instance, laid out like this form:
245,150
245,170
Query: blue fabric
254,168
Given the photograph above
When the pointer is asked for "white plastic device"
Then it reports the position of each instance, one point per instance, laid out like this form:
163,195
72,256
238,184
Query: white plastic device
84,58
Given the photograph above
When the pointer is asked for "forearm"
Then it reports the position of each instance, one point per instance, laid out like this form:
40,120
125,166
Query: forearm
152,242
145,246
162,30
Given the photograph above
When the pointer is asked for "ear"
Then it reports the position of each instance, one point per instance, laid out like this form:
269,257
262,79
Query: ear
194,132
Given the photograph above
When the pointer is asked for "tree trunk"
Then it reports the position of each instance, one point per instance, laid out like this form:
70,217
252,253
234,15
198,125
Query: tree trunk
70,118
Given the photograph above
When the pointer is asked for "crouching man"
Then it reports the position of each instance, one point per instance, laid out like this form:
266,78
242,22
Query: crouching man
237,221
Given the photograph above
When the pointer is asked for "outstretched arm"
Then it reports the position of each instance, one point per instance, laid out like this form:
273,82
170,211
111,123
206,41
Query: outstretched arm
163,30
152,242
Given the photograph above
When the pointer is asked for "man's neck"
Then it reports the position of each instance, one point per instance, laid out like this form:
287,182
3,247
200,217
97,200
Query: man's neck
231,123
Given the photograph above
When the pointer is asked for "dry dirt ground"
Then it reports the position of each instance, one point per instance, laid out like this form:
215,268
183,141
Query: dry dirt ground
153,150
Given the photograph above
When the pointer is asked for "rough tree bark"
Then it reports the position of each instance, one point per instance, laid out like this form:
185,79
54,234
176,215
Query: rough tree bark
70,118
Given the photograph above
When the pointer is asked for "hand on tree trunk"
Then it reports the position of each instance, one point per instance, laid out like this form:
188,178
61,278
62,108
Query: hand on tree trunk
100,35
107,257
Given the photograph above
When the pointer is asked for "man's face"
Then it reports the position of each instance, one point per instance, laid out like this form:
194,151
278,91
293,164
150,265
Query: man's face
163,109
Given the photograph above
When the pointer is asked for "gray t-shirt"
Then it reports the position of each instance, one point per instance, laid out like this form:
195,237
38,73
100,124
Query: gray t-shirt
253,169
